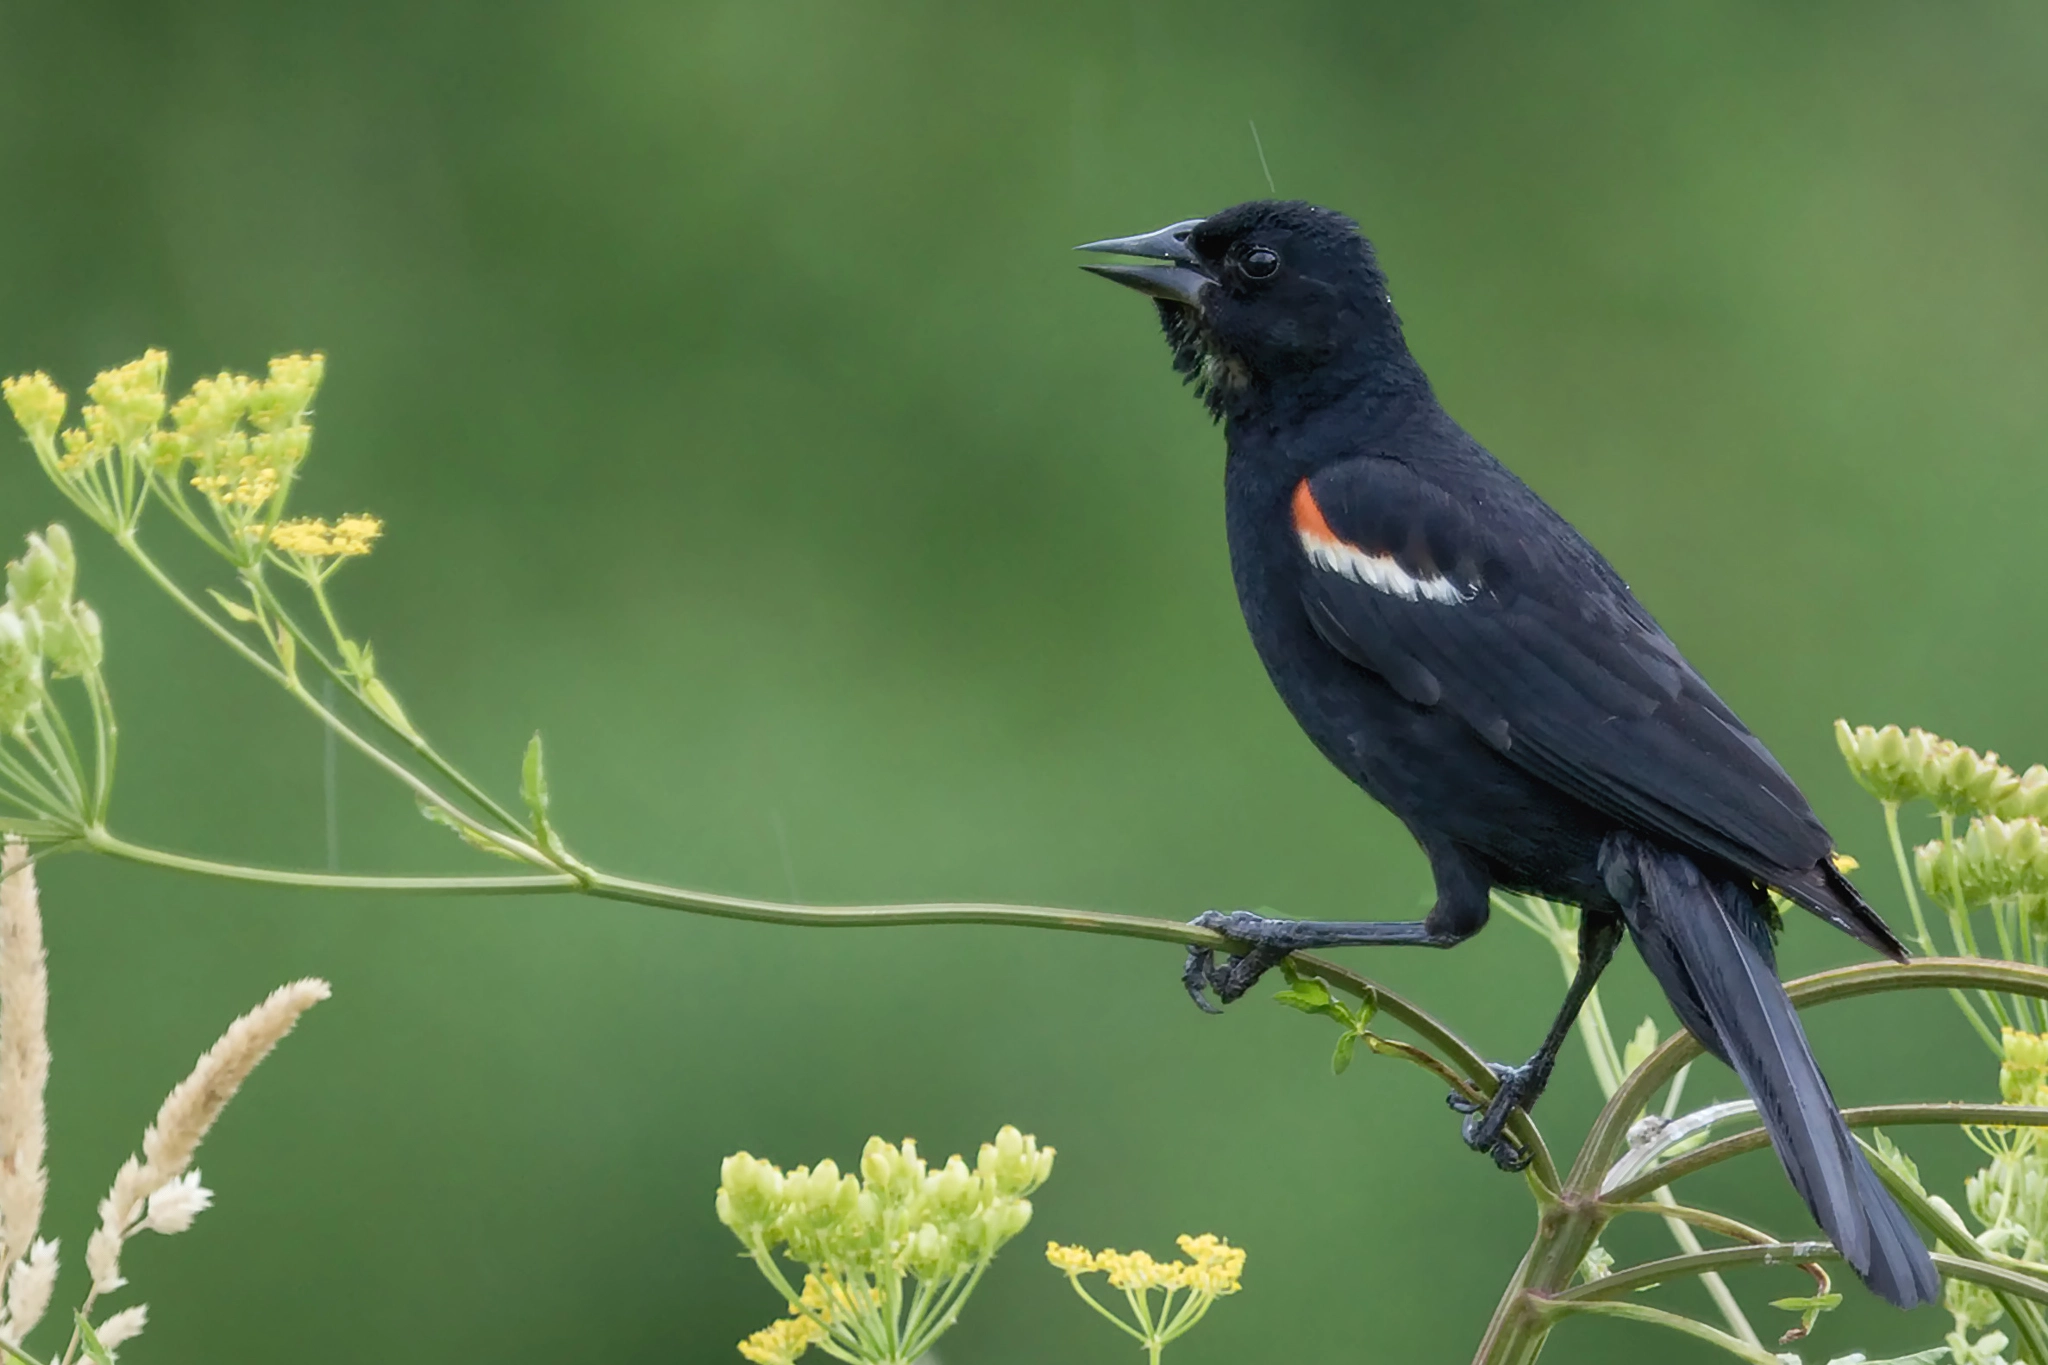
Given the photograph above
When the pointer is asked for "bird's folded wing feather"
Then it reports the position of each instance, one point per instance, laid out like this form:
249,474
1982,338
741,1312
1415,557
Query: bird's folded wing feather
1515,624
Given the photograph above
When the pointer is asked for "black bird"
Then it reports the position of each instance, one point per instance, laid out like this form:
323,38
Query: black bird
1458,650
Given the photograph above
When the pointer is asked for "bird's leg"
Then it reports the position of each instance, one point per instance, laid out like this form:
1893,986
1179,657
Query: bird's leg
1520,1086
1460,911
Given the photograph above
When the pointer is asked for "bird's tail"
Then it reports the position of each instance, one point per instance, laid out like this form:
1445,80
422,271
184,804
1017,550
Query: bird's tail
1708,944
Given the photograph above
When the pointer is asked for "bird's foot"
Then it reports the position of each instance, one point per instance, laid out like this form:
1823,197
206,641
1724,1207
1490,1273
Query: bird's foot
1266,942
1486,1127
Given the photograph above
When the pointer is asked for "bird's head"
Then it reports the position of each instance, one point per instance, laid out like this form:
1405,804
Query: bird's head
1265,301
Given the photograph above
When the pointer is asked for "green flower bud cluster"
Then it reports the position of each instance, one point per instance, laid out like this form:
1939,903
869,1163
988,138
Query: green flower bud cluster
1897,766
860,1236
43,625
1995,860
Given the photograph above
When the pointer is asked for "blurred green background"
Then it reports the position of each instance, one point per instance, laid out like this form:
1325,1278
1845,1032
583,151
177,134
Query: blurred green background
741,421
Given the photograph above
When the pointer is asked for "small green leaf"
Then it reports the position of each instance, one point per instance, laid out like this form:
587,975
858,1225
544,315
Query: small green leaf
233,608
533,786
1809,1310
533,781
1639,1047
1901,1165
1340,1059
1307,994
469,836
1367,1008
378,698
90,1340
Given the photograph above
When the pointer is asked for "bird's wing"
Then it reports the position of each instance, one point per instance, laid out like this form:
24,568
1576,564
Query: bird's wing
1489,605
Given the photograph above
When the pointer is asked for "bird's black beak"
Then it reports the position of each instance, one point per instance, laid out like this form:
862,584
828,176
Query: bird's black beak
1182,281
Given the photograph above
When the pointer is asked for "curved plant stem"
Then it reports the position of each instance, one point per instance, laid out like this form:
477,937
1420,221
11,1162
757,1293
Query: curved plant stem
1677,1322
1864,1116
1565,1232
1920,931
1786,1253
1436,1038
101,841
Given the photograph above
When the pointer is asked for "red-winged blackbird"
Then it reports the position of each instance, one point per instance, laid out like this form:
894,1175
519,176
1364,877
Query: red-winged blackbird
1459,651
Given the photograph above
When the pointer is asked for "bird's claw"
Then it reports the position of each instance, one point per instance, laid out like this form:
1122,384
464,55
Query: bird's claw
1485,1127
1265,943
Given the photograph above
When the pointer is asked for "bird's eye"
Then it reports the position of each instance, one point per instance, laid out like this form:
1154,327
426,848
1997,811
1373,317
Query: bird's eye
1260,262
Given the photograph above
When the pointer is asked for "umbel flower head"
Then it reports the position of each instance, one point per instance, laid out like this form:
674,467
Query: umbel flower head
1995,860
861,1236
1897,766
1212,1271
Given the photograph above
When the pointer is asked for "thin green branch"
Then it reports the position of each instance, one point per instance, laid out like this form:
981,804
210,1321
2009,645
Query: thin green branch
1864,1116
1649,1273
1677,1322
1608,1135
1700,1218
260,587
1920,930
101,841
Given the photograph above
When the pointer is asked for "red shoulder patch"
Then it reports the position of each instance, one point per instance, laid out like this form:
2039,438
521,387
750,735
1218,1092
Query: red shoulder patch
1308,517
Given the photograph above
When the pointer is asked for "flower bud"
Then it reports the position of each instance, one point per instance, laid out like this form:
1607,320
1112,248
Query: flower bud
1003,1220
39,577
282,400
751,1193
131,398
2028,796
1014,1163
930,1253
38,404
1959,780
71,641
954,1188
1878,760
879,1162
21,667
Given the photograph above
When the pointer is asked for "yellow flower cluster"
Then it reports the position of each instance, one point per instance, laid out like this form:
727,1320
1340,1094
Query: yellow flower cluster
2023,1068
1897,766
316,539
247,483
780,1343
37,402
860,1235
1214,1272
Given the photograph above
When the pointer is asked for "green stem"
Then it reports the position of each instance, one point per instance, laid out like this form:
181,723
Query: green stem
1436,1036
106,733
1865,1116
1089,1299
1993,1277
1712,1222
1920,931
1516,1332
261,588
1677,1322
518,848
102,841
1959,914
